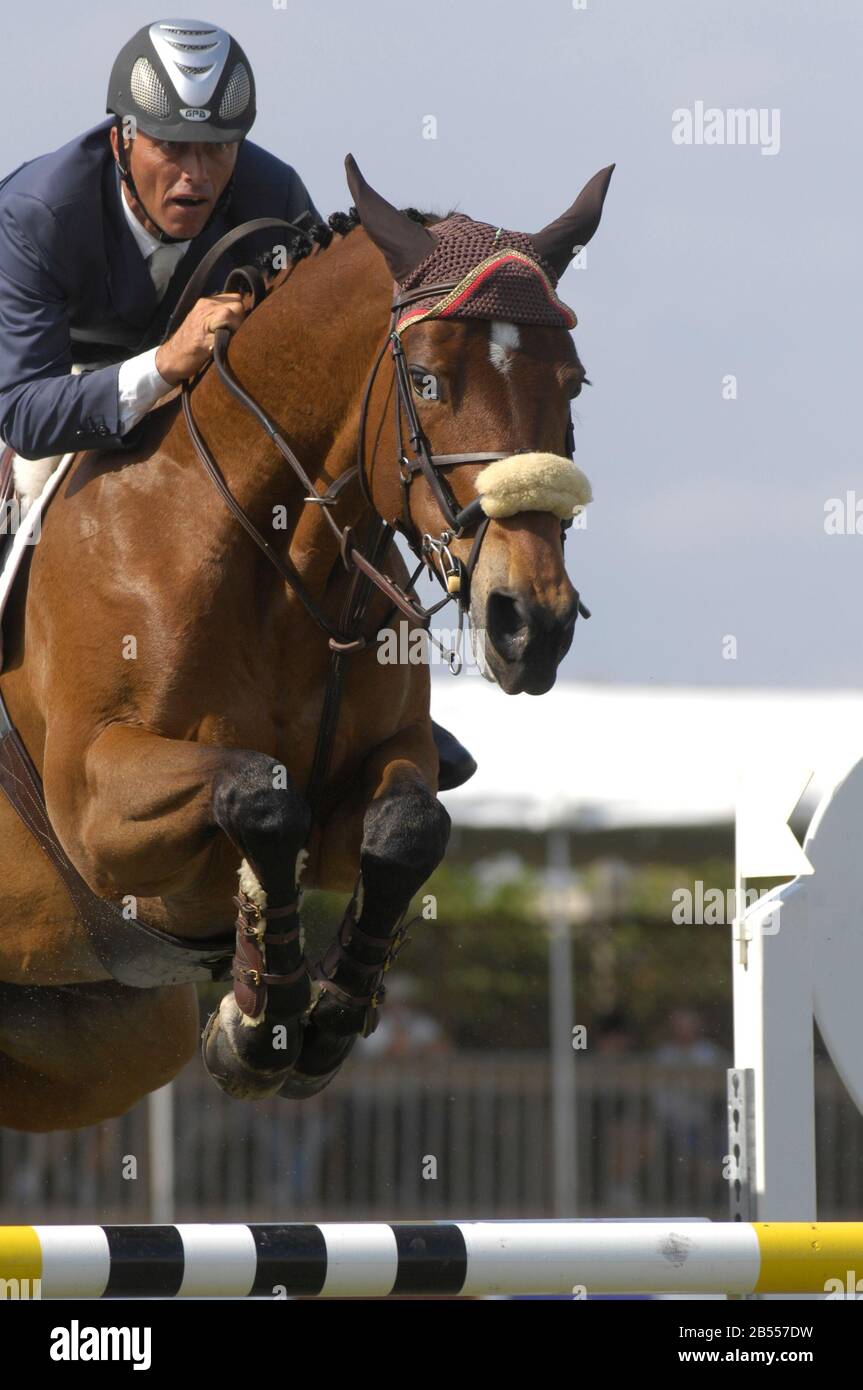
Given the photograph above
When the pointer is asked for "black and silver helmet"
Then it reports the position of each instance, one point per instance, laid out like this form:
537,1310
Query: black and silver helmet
184,79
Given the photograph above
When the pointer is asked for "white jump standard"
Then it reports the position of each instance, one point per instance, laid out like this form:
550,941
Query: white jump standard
798,957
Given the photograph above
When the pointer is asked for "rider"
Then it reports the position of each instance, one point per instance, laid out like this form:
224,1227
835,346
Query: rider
99,238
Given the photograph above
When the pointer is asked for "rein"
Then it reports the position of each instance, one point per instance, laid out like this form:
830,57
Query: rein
433,553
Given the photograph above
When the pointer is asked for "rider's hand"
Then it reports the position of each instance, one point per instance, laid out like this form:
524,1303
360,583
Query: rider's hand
190,347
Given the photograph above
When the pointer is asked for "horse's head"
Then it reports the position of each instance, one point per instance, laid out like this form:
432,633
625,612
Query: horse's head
485,365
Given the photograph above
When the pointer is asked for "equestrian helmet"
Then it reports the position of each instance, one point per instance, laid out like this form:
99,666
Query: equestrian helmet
184,79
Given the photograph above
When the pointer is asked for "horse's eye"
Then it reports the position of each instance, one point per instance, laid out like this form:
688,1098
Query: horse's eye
573,379
424,383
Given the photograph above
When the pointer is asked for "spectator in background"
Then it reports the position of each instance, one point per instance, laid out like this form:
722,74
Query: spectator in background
404,1030
614,1035
686,1044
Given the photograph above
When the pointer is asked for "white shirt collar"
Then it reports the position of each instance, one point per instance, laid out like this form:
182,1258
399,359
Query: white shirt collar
147,243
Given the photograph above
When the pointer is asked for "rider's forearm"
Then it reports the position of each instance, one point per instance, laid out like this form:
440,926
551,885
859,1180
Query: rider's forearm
60,414
140,385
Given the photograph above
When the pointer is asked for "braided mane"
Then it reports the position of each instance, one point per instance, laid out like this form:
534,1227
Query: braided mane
301,243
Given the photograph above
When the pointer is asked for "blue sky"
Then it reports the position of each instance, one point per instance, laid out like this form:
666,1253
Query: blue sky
712,260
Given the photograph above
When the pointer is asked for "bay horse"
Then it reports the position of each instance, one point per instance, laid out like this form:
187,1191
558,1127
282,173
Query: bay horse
168,683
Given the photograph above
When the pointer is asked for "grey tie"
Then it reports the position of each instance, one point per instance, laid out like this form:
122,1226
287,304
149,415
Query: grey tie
161,265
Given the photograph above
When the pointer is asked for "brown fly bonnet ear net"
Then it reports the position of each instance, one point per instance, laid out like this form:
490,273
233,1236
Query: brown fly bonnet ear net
500,275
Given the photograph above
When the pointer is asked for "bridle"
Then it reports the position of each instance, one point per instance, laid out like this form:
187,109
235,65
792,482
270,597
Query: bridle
433,553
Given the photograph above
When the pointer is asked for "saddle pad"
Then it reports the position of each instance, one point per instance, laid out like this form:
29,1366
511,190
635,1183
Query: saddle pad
27,534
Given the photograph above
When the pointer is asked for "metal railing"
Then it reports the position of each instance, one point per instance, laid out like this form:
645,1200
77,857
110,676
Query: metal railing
465,1135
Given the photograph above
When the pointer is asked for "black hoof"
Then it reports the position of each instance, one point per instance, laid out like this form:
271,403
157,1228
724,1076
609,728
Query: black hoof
330,1034
236,1054
301,1084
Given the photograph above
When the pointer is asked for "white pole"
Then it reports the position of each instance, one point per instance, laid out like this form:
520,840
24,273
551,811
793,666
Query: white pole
561,1022
160,1116
369,1260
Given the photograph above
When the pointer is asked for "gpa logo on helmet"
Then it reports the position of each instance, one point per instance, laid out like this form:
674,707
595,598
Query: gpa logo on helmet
194,113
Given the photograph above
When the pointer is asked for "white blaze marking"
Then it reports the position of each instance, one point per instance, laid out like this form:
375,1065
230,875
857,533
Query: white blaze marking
503,340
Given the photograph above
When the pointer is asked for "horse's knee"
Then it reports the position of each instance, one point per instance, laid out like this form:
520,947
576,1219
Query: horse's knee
257,805
405,833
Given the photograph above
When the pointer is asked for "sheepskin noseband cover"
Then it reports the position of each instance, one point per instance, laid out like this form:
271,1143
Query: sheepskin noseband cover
533,483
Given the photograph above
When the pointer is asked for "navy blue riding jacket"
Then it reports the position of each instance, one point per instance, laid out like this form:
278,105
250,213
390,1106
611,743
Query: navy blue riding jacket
74,286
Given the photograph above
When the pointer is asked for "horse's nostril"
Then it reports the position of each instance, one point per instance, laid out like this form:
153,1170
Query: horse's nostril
524,631
508,626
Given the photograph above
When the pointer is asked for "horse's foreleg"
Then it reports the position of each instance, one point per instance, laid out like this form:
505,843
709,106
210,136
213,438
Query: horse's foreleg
151,825
251,1042
405,830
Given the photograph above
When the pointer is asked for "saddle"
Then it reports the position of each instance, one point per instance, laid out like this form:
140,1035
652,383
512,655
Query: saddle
6,458
7,484
7,531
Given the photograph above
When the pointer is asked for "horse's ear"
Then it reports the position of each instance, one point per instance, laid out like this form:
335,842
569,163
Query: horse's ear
402,242
558,242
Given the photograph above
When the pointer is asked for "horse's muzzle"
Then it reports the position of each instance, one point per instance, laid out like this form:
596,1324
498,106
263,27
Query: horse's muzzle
526,641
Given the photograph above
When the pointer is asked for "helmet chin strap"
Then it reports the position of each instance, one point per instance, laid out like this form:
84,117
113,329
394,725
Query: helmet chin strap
165,237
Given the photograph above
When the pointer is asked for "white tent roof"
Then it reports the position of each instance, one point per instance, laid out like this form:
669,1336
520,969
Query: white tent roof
595,756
